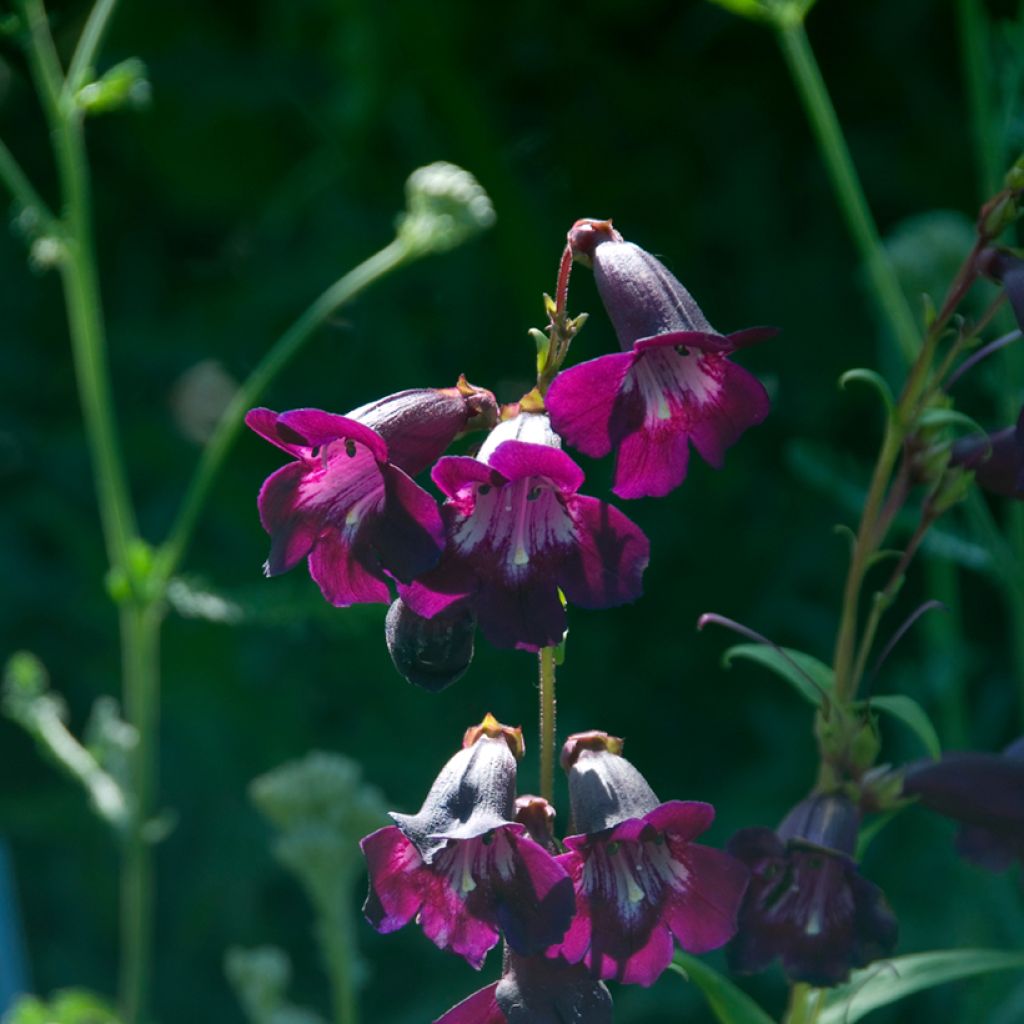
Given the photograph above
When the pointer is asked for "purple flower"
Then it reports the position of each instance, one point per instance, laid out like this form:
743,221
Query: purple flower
672,385
997,460
518,532
807,903
641,884
462,867
985,792
1008,270
358,517
536,991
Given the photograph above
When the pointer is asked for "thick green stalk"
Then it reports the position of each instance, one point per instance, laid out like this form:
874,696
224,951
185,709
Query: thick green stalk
836,155
284,349
547,723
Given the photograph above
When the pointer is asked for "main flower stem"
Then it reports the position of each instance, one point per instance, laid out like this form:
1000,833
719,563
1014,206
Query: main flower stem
805,1004
547,723
836,154
281,352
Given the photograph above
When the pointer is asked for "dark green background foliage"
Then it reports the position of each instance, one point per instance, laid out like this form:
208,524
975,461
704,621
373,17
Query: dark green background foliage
271,159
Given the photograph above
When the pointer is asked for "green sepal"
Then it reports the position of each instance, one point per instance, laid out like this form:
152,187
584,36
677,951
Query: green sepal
911,714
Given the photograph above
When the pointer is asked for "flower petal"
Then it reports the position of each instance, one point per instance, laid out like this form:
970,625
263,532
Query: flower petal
314,427
479,1008
293,530
741,402
518,460
453,473
581,401
649,465
682,819
393,863
576,942
527,615
264,422
408,534
606,567
343,576
434,592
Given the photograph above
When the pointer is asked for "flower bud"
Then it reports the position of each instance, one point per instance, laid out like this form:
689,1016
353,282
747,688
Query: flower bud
430,653
445,206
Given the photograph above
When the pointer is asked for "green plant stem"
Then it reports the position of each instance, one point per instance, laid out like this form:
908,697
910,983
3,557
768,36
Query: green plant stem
547,723
88,45
805,1004
338,940
23,190
283,350
811,86
976,61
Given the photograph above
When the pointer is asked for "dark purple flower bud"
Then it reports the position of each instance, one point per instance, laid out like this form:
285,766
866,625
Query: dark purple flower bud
671,386
461,867
983,791
432,653
807,903
419,425
538,818
536,991
342,503
997,460
518,532
1008,270
641,884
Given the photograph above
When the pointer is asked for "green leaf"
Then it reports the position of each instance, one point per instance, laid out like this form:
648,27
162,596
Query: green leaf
70,1006
889,980
875,380
802,671
729,1004
911,714
950,418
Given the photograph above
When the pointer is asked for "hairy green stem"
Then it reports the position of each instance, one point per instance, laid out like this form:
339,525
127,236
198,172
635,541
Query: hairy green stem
547,723
811,86
284,349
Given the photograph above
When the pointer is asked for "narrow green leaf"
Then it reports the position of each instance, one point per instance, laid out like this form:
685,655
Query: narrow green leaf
875,380
731,1005
951,418
808,676
911,714
889,980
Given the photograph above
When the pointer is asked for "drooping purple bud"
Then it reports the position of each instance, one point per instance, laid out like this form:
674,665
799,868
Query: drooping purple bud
1008,270
985,792
431,653
418,425
807,903
997,460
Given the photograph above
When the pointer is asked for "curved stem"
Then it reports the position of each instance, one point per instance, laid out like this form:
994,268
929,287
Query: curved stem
88,45
547,723
23,190
283,350
809,82
976,63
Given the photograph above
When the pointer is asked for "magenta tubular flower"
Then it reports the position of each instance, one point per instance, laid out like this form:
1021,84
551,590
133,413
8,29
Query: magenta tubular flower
671,386
641,884
357,517
518,531
462,867
997,460
536,991
807,903
985,793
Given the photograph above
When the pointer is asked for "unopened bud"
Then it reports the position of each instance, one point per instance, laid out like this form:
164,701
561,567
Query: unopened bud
431,653
125,85
445,206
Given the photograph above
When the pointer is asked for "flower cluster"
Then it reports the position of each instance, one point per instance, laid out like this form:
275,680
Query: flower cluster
475,862
515,541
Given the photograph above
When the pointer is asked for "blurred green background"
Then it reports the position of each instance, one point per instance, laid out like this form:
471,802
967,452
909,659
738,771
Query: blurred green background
272,158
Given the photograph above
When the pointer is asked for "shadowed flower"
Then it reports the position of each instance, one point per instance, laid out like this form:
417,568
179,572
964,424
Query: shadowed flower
518,532
536,991
672,385
357,517
807,903
997,460
462,867
641,884
431,653
1008,270
983,791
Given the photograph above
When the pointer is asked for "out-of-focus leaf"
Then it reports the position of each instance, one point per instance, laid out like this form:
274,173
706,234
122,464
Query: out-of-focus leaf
911,714
808,676
889,980
950,418
872,379
71,1006
729,1004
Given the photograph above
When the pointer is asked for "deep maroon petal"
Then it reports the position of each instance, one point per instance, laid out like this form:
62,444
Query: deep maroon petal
527,616
642,964
394,864
455,472
408,534
702,909
451,581
343,577
314,427
606,567
293,530
517,460
449,923
264,423
537,904
581,401
479,1008
742,402
682,819
649,465
707,341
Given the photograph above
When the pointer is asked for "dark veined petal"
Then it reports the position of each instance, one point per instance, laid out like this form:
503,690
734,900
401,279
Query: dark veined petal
293,530
581,401
606,567
408,534
264,422
345,578
527,616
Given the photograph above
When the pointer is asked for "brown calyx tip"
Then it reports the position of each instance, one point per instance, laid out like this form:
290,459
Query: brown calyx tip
493,729
587,234
592,740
